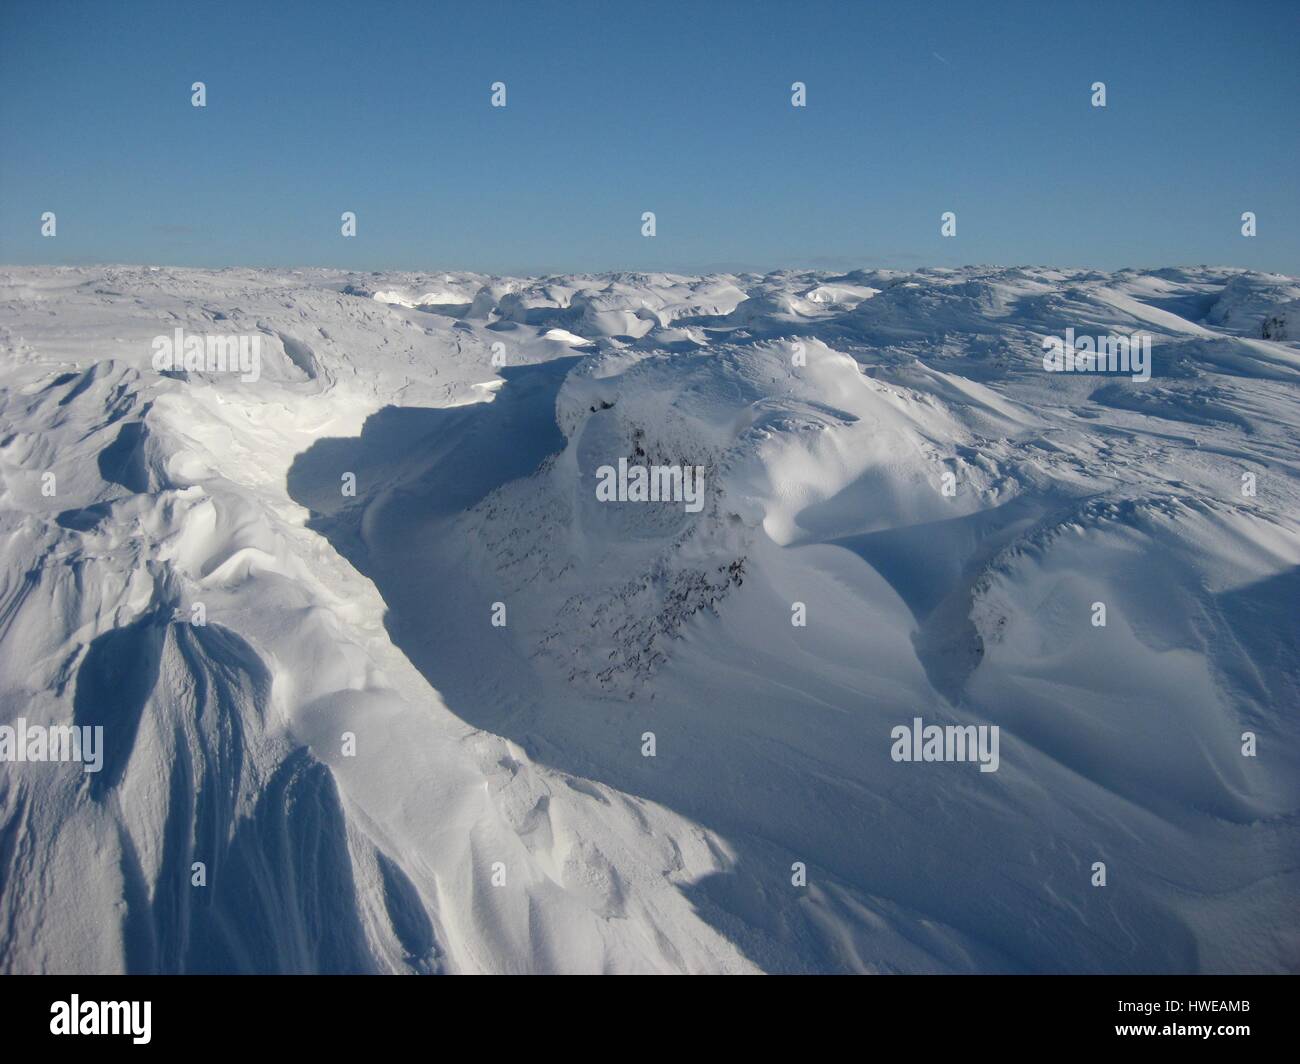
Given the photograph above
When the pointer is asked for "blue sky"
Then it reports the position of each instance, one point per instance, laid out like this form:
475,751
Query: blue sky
678,108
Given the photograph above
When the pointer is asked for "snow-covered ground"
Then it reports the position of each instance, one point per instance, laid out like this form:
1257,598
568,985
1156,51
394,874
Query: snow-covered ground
347,766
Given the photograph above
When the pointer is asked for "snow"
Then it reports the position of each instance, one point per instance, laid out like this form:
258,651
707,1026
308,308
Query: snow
825,410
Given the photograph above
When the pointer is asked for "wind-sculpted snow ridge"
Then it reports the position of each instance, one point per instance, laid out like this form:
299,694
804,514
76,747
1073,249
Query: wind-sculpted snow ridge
397,672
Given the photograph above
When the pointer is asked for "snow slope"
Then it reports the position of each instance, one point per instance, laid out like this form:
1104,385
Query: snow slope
493,810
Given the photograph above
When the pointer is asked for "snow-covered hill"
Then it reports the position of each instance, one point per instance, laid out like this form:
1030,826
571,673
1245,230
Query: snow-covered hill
380,673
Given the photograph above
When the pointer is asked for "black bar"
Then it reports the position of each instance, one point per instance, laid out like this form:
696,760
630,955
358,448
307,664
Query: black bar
341,1014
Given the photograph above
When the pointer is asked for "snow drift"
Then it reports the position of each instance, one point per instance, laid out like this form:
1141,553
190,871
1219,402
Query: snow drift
380,676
